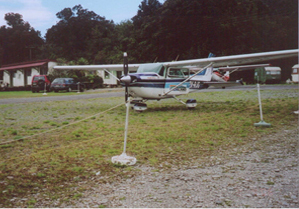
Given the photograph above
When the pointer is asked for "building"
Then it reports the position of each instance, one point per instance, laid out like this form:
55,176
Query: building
20,74
267,75
108,79
295,73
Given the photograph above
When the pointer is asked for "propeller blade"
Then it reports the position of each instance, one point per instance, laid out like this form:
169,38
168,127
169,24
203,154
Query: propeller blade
126,94
126,65
126,70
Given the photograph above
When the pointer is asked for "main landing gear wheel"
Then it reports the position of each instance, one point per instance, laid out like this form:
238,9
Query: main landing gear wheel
191,104
138,105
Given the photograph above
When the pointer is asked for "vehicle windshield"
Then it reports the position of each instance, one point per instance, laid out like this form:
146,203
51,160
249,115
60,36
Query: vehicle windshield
37,78
59,80
70,81
63,81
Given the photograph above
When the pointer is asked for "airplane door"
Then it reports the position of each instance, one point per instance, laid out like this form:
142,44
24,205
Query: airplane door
175,76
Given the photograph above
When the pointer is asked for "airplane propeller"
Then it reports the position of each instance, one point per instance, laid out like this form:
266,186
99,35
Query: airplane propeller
126,79
124,159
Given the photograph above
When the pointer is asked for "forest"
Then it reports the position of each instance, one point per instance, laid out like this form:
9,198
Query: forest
176,29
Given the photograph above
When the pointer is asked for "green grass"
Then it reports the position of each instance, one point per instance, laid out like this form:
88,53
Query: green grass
27,94
166,135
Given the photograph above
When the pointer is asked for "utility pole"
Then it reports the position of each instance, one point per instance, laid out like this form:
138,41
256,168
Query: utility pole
30,52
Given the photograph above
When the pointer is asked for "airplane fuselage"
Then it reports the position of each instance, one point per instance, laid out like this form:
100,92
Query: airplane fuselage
152,86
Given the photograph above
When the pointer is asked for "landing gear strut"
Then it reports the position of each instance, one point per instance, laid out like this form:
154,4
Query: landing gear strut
190,103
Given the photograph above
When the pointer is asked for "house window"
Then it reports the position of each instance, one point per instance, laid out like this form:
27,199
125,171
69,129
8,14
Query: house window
107,75
14,73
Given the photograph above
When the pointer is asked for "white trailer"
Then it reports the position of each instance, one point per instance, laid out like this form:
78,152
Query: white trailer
295,73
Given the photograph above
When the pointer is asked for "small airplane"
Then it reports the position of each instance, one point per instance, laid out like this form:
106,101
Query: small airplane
156,81
218,77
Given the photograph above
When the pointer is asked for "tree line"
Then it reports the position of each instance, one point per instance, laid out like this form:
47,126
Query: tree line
176,29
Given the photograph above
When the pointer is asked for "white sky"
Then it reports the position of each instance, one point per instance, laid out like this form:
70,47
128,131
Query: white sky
41,14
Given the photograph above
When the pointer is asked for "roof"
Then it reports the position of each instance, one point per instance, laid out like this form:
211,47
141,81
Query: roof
24,65
272,68
295,66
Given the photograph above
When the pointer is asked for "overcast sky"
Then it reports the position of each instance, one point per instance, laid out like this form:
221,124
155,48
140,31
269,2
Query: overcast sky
41,14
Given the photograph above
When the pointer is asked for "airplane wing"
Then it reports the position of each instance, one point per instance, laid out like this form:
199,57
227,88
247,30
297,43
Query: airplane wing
242,67
115,67
236,59
217,61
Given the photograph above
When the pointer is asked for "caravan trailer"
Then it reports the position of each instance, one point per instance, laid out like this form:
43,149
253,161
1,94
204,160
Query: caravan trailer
295,73
267,75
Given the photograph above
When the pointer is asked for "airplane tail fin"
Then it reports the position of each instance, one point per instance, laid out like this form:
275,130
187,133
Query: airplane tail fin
205,75
211,55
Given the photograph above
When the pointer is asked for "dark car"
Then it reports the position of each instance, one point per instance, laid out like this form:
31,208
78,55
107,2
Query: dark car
68,84
39,83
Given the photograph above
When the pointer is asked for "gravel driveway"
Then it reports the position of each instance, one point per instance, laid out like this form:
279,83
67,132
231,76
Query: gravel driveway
263,173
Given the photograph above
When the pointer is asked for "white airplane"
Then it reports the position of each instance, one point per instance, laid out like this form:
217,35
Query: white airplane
155,81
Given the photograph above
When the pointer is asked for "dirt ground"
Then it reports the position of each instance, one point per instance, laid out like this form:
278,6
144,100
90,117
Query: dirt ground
263,173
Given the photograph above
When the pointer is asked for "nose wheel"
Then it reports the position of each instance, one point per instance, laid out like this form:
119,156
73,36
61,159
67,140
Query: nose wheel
138,105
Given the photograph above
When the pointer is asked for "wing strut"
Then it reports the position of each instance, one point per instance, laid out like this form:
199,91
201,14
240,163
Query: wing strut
111,74
209,65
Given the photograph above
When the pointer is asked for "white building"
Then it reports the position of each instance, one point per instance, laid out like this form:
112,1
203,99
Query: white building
295,73
20,74
108,79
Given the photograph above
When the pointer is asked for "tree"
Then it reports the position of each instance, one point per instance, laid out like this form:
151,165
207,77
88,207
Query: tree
145,31
20,42
81,33
192,29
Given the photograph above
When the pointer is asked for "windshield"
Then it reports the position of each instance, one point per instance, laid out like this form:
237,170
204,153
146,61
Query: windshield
63,81
150,68
37,78
59,80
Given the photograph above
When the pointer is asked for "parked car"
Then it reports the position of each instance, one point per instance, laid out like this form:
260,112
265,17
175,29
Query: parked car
67,84
38,83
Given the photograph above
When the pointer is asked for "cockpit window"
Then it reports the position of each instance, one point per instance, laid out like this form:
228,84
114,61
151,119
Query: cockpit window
178,72
162,71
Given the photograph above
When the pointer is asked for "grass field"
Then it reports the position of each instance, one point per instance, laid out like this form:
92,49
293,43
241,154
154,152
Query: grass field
27,94
56,147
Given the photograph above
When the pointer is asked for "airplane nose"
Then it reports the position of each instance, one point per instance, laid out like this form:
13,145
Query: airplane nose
126,79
